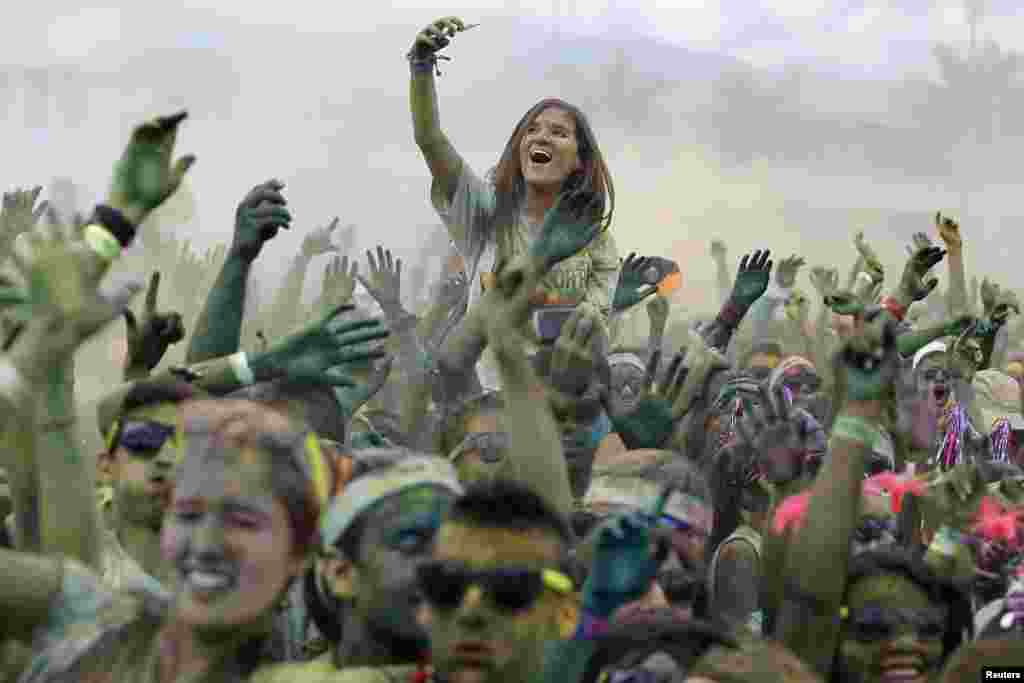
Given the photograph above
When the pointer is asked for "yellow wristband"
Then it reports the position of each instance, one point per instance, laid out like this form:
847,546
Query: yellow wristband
102,242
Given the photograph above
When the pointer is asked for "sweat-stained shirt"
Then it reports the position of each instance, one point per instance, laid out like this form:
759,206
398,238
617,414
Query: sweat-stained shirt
472,223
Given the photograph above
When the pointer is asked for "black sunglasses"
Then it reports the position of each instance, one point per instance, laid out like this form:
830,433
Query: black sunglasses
143,438
510,589
873,624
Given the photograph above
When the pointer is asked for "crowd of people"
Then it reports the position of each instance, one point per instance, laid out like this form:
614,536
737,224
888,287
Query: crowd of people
501,487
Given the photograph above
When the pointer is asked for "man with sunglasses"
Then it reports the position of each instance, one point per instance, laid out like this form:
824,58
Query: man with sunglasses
377,532
139,425
497,587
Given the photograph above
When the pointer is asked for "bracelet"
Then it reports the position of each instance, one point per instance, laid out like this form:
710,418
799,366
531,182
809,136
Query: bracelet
240,365
855,429
894,308
116,222
730,315
101,241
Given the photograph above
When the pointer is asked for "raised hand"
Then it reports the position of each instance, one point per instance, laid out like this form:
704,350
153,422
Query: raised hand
657,312
569,226
868,363
872,264
918,242
824,280
436,36
989,294
623,564
144,176
63,305
318,353
319,241
385,280
20,213
718,250
845,303
751,278
914,283
949,231
148,342
774,434
786,271
634,282
258,218
339,282
572,363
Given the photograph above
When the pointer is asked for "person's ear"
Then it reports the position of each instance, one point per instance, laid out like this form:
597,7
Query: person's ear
106,468
568,615
340,576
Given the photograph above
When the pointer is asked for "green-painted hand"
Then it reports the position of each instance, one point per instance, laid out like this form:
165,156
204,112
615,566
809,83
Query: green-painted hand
317,353
144,176
569,226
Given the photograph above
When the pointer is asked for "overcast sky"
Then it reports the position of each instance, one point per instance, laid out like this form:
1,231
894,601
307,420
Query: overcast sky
314,92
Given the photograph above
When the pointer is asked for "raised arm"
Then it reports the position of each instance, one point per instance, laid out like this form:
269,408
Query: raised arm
816,564
218,331
949,231
444,162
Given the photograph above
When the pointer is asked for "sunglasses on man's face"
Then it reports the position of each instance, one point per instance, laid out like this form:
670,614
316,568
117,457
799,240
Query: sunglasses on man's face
144,438
874,624
510,589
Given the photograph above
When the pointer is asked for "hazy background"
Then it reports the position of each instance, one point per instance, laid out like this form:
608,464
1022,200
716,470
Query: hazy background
783,123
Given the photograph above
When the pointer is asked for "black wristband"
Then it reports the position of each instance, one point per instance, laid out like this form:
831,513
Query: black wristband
116,223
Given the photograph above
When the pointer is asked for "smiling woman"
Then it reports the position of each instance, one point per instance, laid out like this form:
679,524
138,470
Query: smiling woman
552,152
245,510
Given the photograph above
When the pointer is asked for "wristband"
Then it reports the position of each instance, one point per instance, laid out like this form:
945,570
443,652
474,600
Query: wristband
240,366
730,315
894,308
855,429
115,222
101,241
945,542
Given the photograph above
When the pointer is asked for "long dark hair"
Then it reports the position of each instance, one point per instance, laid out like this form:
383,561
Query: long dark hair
592,178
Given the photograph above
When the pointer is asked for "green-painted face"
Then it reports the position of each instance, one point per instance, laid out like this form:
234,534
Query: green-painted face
477,642
398,535
143,475
476,464
893,633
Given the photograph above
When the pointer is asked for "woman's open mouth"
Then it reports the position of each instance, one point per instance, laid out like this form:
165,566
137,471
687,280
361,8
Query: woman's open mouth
540,156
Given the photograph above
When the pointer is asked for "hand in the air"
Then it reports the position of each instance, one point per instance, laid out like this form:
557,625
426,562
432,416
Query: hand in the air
436,36
258,218
869,362
824,280
751,278
339,282
569,226
144,177
149,341
623,564
319,352
385,280
718,250
949,231
786,271
915,283
634,283
319,241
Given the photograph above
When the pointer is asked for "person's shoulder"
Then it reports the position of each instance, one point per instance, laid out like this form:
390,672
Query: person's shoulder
322,670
